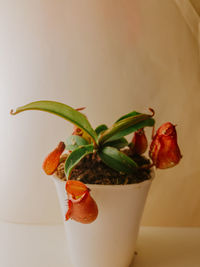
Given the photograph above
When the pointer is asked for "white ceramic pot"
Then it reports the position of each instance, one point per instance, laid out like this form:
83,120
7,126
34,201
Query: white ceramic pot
110,240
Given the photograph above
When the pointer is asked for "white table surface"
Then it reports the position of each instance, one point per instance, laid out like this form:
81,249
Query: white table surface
44,246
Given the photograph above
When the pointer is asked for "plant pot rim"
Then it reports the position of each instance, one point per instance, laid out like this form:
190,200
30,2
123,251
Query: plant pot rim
115,187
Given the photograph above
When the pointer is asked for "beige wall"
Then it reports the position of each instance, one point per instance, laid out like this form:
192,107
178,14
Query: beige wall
113,57
196,5
173,55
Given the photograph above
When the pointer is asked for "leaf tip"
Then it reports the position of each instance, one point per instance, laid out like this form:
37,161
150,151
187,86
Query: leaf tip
152,111
12,112
79,109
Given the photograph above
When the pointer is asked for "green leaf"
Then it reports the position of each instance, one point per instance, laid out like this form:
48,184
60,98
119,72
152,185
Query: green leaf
130,114
117,160
63,111
148,122
75,157
75,141
119,143
101,128
126,126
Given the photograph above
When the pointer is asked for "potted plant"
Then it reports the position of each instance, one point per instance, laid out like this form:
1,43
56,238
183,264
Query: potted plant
102,181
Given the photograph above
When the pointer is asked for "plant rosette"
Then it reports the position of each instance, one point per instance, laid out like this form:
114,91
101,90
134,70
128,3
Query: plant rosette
102,214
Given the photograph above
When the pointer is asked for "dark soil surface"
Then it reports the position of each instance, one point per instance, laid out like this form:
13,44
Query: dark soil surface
91,170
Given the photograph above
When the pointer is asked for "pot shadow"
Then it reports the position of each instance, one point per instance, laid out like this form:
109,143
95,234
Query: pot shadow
167,247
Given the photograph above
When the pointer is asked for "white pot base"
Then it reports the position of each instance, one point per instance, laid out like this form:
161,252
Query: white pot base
110,240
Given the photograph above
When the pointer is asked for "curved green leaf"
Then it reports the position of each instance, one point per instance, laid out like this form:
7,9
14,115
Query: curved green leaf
75,157
63,111
75,141
132,113
119,143
100,129
149,122
117,160
126,126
